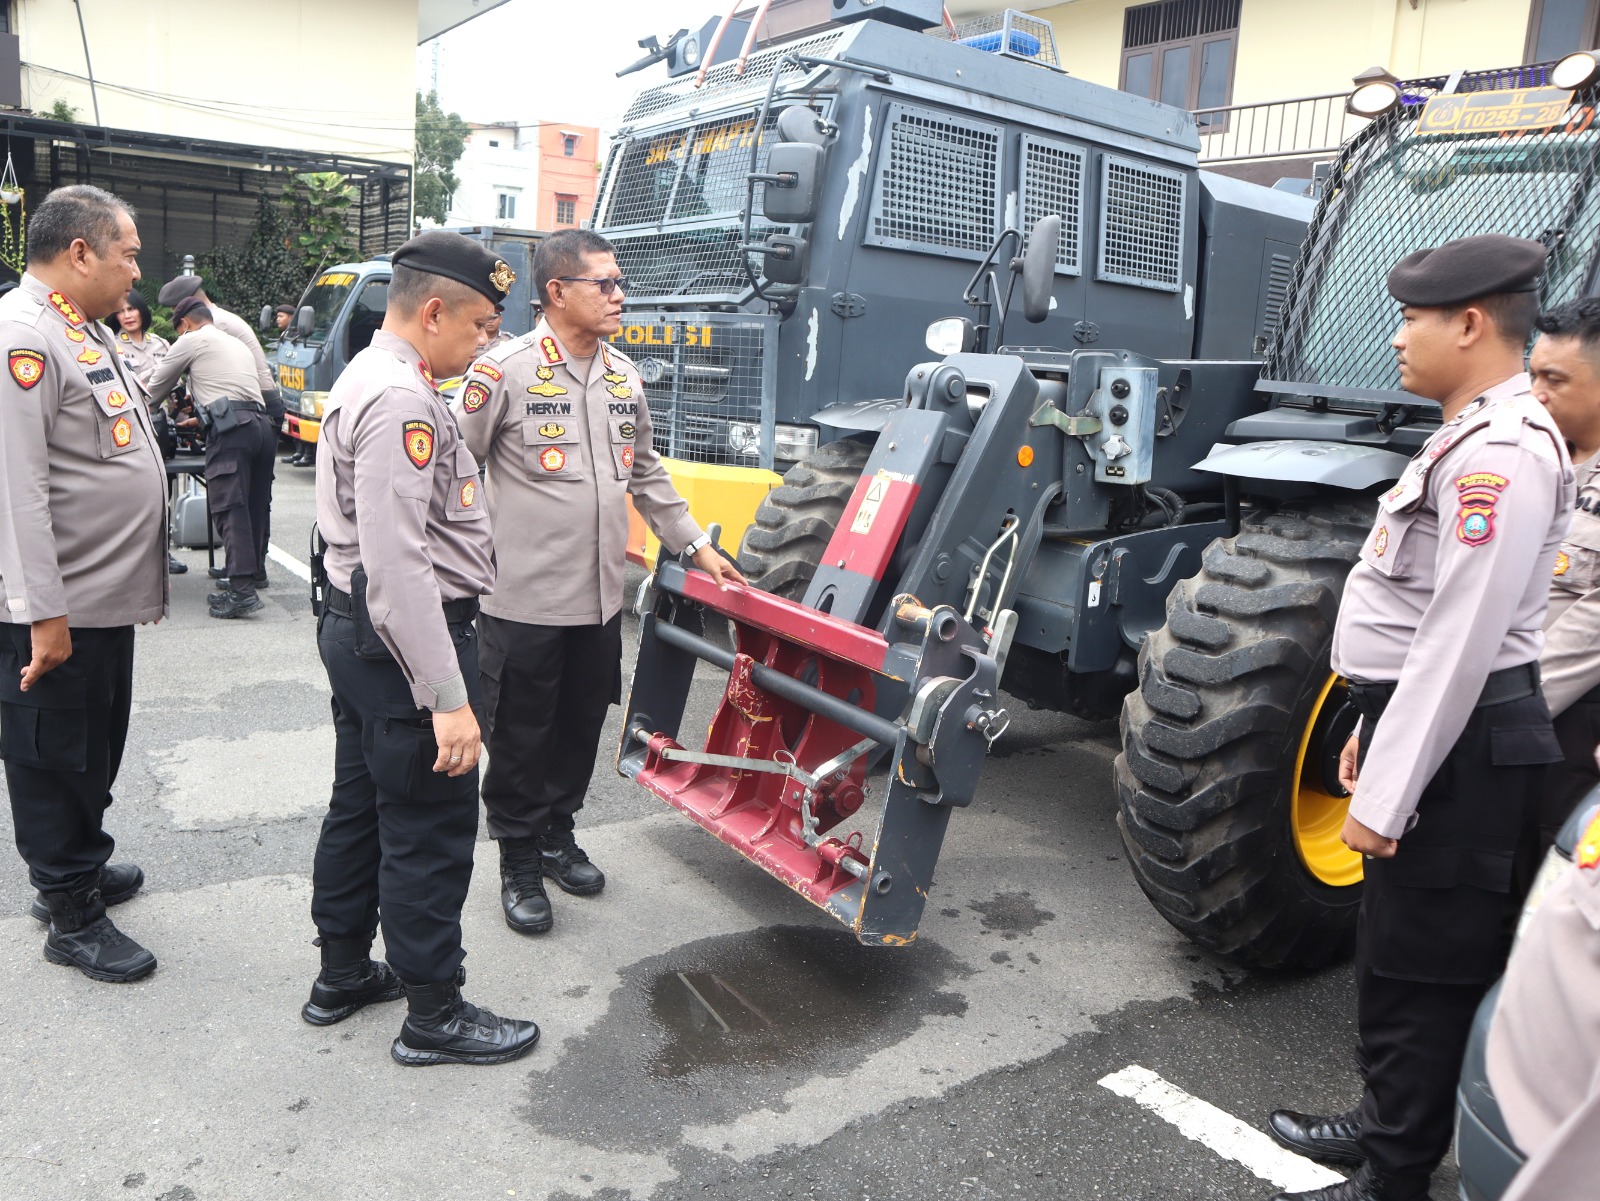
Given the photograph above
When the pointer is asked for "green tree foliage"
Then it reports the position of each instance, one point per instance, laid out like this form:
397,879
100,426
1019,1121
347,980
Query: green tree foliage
268,268
62,111
319,209
441,137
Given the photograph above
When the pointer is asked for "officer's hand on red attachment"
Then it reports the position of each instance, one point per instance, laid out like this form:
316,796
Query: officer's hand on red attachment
1368,842
719,569
52,646
459,741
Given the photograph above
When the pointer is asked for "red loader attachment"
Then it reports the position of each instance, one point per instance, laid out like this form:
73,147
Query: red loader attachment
811,701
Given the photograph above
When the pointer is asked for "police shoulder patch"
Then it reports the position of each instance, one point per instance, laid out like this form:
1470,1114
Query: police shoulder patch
27,367
419,443
474,396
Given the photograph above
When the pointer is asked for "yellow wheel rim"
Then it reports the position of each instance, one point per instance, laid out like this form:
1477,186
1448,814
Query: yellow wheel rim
1315,816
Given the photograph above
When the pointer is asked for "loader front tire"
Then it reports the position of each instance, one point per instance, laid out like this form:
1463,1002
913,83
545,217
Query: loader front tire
781,551
1228,796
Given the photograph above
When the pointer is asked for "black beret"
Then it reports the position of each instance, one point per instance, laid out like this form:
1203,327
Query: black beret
285,308
188,305
1467,268
440,252
175,290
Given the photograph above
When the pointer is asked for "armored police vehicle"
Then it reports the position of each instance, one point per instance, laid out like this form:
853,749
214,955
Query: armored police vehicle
1094,526
790,225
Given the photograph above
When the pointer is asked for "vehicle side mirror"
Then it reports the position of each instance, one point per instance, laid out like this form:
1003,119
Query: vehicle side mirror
265,320
1039,268
305,321
793,176
785,259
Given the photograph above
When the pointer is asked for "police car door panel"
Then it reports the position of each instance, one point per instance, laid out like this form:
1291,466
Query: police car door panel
117,427
466,501
551,449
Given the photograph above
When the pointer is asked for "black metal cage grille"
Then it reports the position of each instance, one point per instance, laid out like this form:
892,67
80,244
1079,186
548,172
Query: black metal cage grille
1394,191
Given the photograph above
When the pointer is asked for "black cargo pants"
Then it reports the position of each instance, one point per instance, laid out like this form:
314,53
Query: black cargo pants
545,691
1578,731
1436,927
239,466
397,842
62,743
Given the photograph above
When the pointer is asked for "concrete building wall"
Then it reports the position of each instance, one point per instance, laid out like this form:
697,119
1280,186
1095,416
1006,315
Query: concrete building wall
313,75
1308,47
499,161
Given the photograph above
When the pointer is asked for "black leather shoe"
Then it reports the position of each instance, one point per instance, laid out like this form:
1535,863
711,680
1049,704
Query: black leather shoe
350,980
1365,1185
566,863
176,566
441,1027
217,573
312,462
1329,1137
118,882
522,894
82,936
293,459
235,604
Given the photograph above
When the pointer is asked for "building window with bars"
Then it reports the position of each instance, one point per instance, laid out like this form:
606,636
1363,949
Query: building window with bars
566,210
1181,52
1560,27
505,206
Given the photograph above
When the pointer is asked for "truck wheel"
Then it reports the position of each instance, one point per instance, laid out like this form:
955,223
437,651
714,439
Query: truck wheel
780,552
1228,795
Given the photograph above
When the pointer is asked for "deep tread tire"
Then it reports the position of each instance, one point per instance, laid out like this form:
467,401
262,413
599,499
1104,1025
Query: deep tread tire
781,551
1211,735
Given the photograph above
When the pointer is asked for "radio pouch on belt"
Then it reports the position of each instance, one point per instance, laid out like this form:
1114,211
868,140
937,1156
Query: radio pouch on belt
368,644
218,417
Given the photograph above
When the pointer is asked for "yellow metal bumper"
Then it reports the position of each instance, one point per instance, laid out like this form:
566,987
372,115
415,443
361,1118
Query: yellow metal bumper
302,428
726,496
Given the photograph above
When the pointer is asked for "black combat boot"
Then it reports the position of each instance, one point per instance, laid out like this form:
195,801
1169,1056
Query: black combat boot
82,936
236,602
566,863
441,1027
349,980
1330,1137
260,580
176,566
118,882
522,895
1366,1185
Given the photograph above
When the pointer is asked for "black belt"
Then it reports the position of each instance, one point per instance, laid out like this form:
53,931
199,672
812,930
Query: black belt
1507,684
455,611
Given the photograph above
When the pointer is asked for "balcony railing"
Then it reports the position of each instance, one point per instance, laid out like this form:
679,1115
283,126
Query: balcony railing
1300,128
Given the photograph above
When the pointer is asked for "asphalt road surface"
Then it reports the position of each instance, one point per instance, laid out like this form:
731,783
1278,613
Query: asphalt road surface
707,1034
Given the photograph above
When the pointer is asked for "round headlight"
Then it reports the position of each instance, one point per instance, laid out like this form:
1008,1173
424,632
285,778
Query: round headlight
1576,70
1374,99
691,52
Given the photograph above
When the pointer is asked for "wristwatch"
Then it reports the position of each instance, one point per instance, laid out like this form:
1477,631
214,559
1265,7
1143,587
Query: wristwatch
693,547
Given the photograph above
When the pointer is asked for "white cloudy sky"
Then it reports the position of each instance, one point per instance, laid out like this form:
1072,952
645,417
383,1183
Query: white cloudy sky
554,60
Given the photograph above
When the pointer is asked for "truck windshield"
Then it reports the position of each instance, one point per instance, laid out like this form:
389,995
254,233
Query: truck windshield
326,296
1406,191
681,174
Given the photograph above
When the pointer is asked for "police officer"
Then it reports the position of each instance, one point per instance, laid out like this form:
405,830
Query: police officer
239,445
184,286
83,541
498,336
1441,624
560,417
408,555
1565,369
1544,1041
140,348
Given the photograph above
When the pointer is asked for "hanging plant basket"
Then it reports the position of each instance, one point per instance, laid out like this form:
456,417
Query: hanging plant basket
10,189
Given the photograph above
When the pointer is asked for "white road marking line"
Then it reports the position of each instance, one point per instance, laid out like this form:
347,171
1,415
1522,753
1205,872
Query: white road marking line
1220,1131
284,559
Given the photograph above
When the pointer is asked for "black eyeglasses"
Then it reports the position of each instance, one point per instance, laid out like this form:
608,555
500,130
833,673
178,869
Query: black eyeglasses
606,285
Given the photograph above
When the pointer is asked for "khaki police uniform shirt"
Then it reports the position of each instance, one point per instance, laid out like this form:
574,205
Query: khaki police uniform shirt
83,492
397,494
1544,1041
219,368
141,357
565,448
1570,664
1452,585
237,327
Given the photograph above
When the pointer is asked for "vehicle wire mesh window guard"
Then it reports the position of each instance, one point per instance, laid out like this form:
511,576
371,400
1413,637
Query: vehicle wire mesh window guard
1141,229
723,83
1399,191
938,184
1053,183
